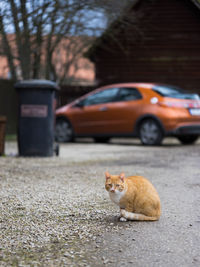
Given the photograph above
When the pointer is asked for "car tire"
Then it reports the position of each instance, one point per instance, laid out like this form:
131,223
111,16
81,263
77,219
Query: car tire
63,131
188,139
101,139
150,132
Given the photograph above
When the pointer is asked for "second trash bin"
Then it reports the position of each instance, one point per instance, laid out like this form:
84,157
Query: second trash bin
36,119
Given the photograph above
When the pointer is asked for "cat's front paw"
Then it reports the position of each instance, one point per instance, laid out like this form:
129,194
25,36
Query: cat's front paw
122,213
122,219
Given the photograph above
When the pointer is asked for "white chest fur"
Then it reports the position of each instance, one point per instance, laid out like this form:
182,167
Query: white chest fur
116,196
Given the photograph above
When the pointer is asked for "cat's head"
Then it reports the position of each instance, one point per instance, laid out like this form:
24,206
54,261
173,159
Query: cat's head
115,183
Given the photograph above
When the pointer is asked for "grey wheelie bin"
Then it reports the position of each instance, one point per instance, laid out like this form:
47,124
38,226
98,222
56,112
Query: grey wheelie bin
36,117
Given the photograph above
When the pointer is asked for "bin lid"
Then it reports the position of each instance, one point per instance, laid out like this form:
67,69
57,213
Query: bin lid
36,84
3,118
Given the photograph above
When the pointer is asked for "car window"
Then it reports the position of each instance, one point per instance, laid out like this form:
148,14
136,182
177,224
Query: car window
174,92
126,94
105,96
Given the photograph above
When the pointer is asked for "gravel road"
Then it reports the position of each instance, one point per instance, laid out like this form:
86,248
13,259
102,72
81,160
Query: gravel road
56,212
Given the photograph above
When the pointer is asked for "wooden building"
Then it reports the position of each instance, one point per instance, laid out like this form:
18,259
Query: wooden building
154,41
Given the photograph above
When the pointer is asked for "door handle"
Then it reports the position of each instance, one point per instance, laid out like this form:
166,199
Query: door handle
103,109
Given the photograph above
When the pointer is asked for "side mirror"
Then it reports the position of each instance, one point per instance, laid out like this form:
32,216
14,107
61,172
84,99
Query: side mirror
79,104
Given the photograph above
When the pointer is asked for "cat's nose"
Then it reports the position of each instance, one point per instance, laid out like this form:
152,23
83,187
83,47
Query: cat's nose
112,190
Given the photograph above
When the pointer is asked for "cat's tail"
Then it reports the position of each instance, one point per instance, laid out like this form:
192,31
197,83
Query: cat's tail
137,216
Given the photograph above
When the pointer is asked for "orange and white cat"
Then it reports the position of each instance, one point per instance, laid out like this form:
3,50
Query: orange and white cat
135,195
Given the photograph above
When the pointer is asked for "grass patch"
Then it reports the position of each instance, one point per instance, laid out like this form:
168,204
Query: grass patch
11,137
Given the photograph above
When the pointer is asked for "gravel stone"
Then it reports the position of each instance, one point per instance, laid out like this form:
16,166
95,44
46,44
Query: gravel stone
56,212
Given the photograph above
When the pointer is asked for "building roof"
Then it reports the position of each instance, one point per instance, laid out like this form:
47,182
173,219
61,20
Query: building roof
108,32
196,2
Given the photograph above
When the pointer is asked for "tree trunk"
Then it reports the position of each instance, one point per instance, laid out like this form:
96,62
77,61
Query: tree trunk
20,42
7,50
26,46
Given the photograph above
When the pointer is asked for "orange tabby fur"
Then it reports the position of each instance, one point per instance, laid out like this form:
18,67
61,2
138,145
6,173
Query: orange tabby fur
136,197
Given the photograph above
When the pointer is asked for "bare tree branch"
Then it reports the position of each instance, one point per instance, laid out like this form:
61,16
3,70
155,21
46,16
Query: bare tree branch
25,43
40,27
7,49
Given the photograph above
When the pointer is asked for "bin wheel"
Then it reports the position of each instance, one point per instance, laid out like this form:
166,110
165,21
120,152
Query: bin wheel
63,131
57,150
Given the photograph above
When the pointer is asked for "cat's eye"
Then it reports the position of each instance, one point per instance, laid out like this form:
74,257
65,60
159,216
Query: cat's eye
117,185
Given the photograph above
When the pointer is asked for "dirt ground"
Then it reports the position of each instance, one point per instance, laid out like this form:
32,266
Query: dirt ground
55,211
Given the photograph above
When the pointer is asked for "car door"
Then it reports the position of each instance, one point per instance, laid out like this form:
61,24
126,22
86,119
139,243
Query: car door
126,110
93,114
110,111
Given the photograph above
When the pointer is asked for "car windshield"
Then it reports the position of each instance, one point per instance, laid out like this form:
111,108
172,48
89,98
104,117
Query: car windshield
174,92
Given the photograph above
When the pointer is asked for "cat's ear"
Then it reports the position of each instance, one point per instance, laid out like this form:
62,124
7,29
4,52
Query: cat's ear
107,174
122,176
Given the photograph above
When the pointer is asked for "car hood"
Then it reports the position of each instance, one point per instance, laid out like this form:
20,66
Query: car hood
63,108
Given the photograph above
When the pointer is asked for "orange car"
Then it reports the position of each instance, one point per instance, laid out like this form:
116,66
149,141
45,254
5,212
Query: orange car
147,111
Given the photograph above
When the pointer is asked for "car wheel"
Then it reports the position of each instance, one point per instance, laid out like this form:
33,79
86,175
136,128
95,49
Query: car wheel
63,131
188,139
150,132
101,139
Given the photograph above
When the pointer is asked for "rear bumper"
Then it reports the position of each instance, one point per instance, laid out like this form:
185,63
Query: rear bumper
187,129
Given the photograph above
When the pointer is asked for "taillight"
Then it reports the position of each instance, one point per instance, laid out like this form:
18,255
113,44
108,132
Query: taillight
181,104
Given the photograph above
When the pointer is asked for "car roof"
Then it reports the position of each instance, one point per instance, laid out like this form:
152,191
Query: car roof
142,85
98,89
